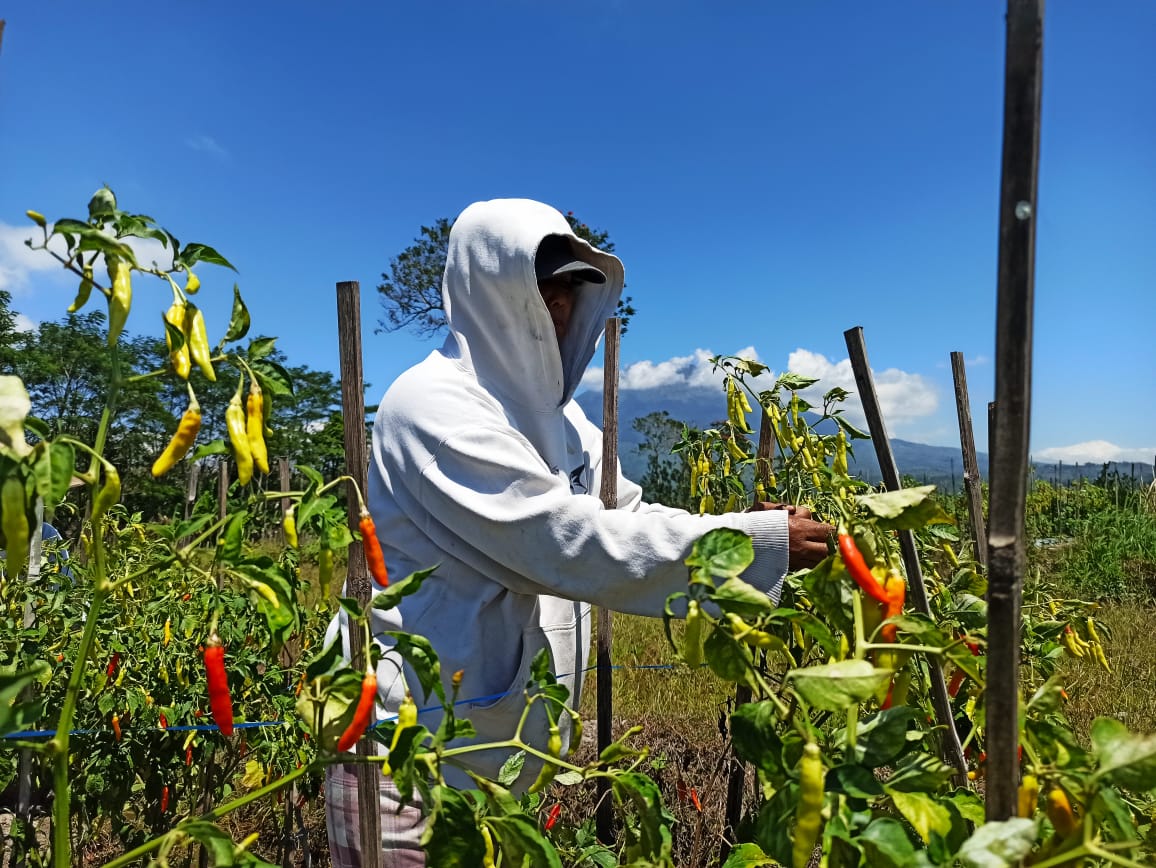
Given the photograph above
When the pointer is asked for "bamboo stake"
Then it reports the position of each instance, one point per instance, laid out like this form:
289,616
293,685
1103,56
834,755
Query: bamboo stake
604,816
865,383
972,482
1023,81
357,574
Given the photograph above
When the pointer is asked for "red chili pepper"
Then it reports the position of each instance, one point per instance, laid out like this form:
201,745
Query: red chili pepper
111,670
116,726
886,703
374,559
552,817
164,721
859,570
361,714
165,799
896,592
189,755
220,703
694,800
957,679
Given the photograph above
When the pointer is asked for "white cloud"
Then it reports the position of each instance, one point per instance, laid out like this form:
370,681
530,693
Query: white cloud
688,372
1095,451
208,145
22,270
903,397
17,262
906,399
24,324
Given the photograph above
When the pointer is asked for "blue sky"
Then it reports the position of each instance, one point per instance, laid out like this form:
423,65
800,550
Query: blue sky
771,174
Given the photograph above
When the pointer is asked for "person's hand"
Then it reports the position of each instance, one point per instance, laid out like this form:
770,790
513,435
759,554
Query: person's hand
806,539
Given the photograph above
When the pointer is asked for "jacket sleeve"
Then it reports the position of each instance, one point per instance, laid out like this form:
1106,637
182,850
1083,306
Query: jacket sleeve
489,500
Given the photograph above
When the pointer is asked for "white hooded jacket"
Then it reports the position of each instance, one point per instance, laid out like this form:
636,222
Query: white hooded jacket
483,464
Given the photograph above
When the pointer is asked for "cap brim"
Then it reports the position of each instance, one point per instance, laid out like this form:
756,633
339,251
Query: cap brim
580,271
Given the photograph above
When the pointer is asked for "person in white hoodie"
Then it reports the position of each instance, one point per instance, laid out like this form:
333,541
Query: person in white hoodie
482,463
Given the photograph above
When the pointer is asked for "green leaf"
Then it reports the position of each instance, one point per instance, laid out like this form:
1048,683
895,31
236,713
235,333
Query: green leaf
328,662
999,844
885,735
856,781
755,737
52,470
905,509
15,715
748,856
271,592
451,837
259,348
213,447
653,839
511,768
886,845
521,843
723,552
311,506
230,542
836,686
239,321
919,773
194,253
1126,760
970,806
388,598
420,655
102,204
727,658
735,595
352,607
795,382
923,812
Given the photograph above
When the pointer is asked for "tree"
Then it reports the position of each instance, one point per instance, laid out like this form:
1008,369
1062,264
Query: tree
667,476
411,291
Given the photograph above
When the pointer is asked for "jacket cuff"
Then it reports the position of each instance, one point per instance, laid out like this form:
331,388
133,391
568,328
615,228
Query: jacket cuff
769,534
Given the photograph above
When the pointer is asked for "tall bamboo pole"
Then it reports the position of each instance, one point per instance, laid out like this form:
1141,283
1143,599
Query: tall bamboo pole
972,483
604,815
357,583
1023,78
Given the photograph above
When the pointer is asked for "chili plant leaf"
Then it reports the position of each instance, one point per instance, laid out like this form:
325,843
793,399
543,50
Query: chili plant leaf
239,321
885,735
905,509
1126,759
886,845
194,253
723,552
213,447
748,856
735,595
511,768
420,655
836,686
755,739
999,844
922,811
451,835
521,842
388,598
654,820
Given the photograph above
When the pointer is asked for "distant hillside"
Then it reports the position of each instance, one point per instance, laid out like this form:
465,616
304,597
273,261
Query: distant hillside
931,465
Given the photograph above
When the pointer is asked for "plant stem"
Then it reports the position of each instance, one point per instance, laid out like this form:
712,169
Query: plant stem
62,792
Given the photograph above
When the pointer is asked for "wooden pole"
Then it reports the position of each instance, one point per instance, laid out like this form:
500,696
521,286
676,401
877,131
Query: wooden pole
737,776
357,583
283,471
972,482
1023,79
604,813
223,490
865,383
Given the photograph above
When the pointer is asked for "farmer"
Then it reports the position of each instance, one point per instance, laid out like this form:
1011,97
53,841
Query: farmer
483,464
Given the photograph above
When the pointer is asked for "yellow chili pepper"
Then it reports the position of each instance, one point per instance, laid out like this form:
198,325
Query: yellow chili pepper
1029,794
198,340
178,356
238,437
1059,811
183,439
809,813
168,631
692,635
83,292
14,522
120,298
554,748
109,493
254,427
289,525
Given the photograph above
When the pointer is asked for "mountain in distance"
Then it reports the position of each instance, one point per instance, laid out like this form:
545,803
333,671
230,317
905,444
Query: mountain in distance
941,466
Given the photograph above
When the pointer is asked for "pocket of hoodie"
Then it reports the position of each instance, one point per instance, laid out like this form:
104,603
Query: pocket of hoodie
496,718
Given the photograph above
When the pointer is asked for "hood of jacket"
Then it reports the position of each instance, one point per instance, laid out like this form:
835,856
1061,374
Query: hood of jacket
499,326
